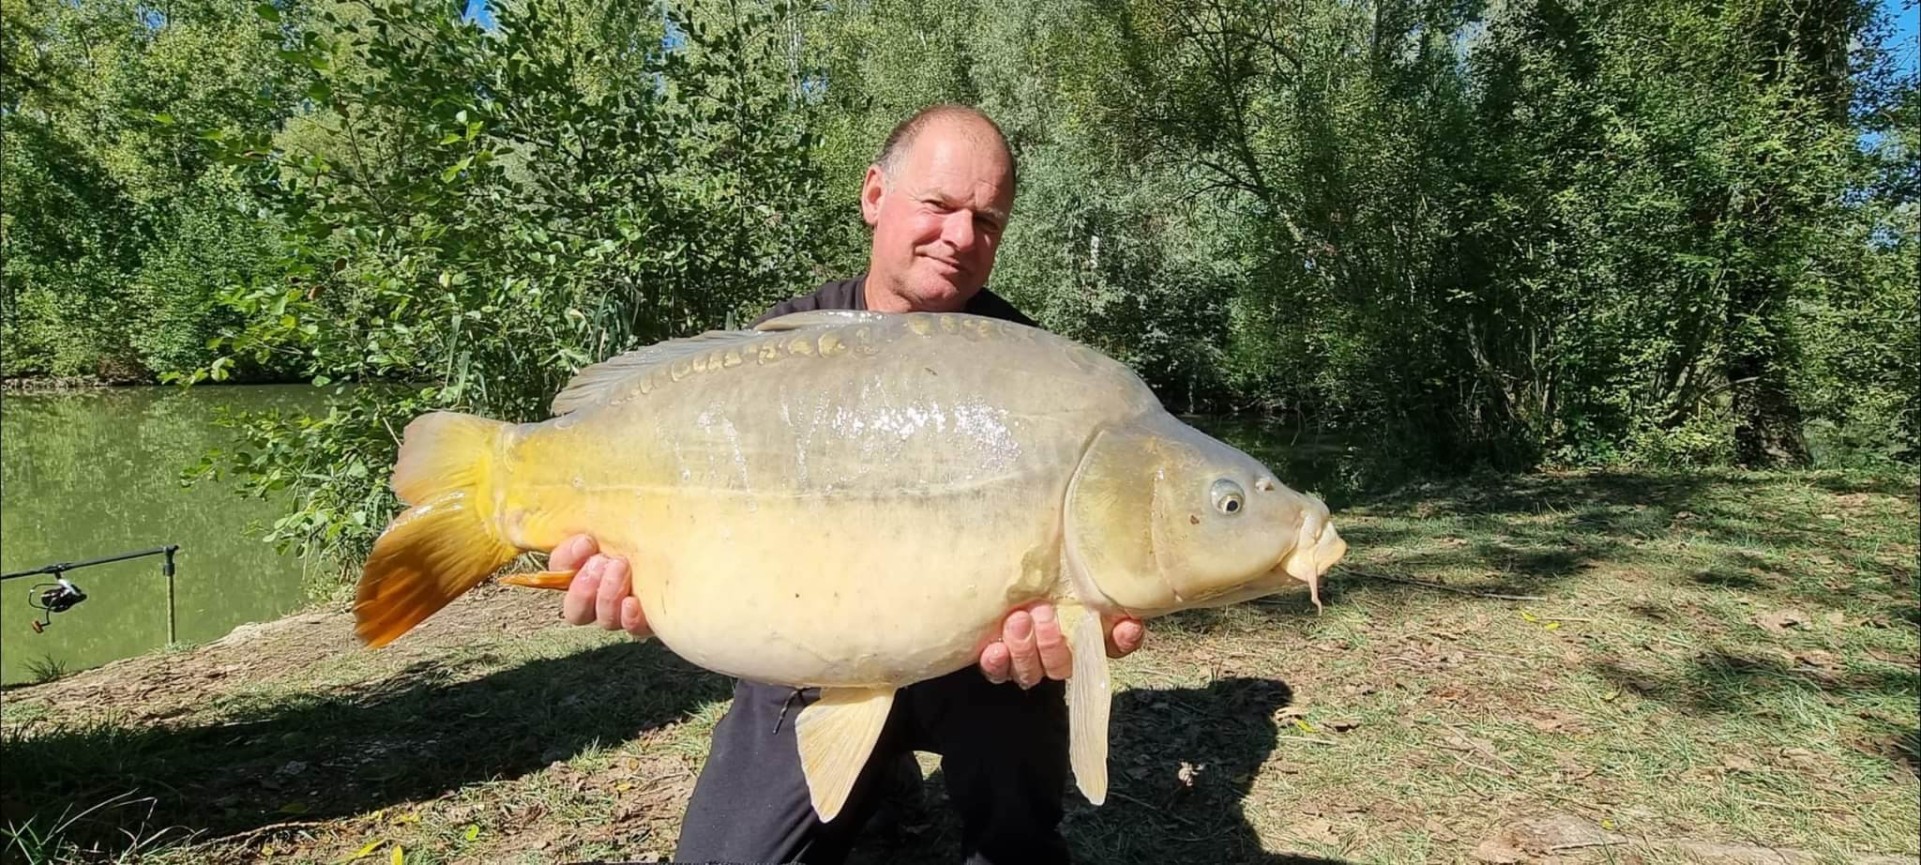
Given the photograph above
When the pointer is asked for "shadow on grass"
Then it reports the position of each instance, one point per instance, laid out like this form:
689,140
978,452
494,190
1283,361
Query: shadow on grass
1723,681
415,735
1528,533
1222,734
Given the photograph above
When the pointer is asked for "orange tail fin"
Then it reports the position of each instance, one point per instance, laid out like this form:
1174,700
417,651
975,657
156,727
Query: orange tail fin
445,544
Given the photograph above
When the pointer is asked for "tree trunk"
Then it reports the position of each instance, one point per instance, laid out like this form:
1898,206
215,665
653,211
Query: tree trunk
1767,419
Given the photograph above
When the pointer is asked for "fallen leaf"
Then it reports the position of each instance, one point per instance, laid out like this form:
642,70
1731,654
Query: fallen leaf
1779,621
1800,757
1819,659
365,849
1738,763
1558,833
1550,723
1342,725
1496,852
1838,619
1476,745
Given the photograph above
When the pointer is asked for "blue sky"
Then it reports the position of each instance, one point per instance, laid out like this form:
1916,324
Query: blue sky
477,10
1906,14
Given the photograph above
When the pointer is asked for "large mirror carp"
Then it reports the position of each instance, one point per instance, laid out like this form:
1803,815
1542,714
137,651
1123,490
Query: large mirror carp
855,501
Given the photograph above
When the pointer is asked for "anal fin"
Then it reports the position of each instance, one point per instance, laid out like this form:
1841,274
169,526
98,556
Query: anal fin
1089,697
557,580
836,735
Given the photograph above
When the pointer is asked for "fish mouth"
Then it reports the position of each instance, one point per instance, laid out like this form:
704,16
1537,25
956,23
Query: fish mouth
1310,561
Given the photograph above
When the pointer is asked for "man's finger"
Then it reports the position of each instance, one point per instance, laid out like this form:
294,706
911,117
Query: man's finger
1057,660
1018,633
631,618
613,588
1125,637
578,607
571,553
995,663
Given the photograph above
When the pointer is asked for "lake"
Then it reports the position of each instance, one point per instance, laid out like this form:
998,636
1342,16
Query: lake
96,473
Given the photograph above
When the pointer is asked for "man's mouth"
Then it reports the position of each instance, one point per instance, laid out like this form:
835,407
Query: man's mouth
951,267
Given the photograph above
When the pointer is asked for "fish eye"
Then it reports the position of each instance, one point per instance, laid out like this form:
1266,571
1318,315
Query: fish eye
1228,497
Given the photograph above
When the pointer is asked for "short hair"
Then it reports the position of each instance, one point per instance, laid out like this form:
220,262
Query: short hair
901,139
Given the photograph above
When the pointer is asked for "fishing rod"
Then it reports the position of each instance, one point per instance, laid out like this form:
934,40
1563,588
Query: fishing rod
62,595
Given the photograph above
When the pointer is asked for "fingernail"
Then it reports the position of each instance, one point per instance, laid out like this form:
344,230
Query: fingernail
1020,627
1042,615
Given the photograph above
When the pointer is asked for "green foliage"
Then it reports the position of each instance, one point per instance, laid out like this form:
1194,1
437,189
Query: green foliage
119,224
468,220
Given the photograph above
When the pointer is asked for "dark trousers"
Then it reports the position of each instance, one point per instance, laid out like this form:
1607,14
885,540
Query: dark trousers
1003,755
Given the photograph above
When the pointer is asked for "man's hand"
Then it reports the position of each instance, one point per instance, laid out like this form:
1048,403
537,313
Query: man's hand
1032,646
600,591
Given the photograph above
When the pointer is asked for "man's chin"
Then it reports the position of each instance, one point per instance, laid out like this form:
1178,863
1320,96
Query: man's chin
941,294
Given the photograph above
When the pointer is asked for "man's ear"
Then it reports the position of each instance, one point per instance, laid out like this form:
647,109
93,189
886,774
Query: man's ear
871,190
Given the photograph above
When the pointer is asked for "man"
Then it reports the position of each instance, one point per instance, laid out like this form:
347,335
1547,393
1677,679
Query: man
937,200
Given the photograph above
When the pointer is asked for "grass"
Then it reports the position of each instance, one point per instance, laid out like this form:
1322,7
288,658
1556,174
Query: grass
1714,659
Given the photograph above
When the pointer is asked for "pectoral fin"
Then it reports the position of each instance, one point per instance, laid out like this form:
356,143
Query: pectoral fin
836,734
1088,700
558,580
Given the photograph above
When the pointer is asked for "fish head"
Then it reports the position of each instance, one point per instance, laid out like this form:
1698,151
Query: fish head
1161,517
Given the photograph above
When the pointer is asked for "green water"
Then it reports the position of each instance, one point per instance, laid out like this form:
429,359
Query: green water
94,474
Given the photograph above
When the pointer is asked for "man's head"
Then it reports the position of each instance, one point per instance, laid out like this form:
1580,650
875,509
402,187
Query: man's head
937,199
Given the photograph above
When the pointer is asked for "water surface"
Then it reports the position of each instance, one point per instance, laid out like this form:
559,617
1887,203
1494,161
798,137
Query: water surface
96,473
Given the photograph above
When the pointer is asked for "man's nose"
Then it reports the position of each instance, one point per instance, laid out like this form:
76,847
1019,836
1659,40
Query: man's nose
959,230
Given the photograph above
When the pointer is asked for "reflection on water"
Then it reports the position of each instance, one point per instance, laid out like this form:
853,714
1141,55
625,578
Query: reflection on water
95,474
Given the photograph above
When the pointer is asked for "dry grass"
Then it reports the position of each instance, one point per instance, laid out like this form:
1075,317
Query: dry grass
1719,659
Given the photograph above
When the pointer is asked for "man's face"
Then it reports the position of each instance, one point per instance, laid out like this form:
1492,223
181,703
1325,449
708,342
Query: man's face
937,223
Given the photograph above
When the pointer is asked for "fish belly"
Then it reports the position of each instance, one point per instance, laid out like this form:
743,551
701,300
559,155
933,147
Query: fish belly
839,593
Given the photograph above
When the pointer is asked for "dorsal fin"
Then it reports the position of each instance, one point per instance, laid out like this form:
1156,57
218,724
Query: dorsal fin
594,384
597,383
817,318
